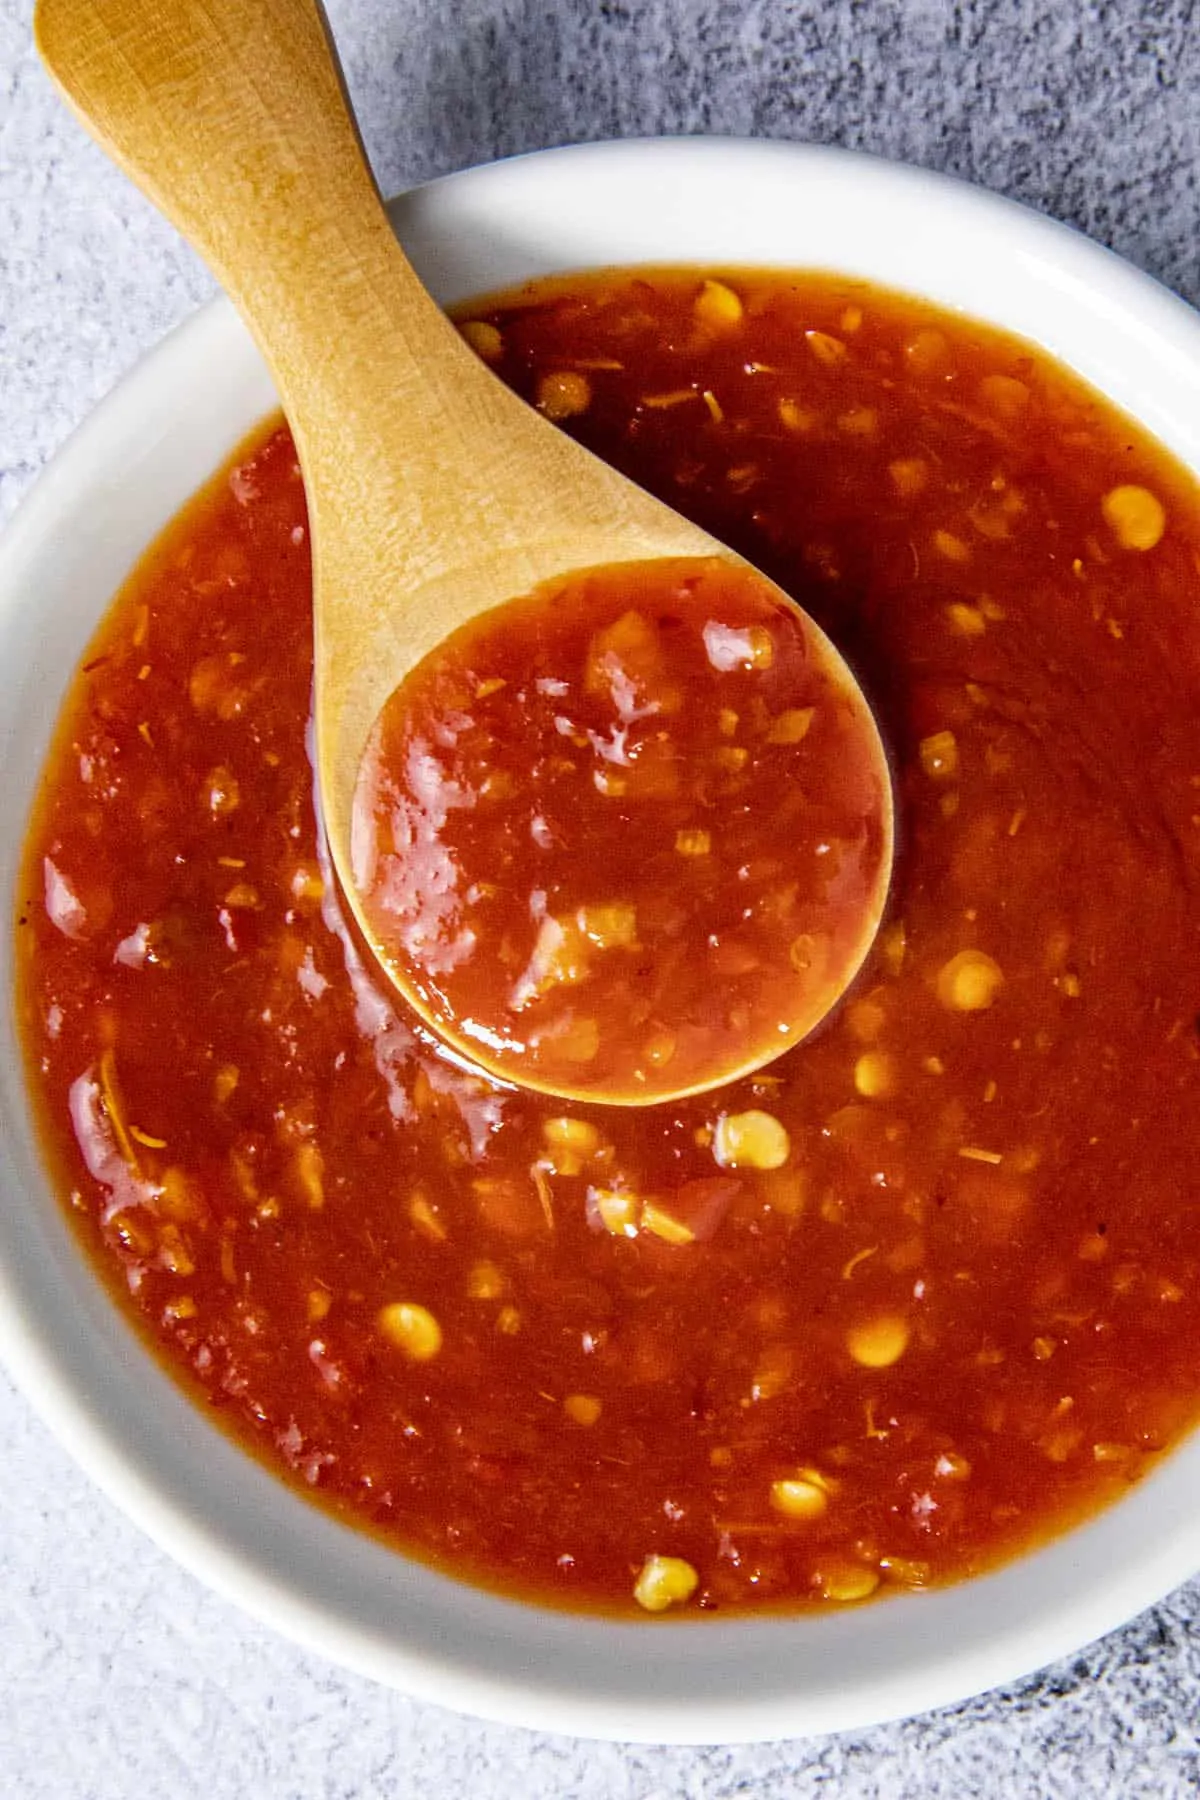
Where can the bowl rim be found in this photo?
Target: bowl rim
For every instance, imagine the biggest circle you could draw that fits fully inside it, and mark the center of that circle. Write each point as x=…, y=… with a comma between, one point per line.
x=80, y=1364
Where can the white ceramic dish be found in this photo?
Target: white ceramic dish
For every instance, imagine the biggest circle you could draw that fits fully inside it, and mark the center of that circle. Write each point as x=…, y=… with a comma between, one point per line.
x=104, y=498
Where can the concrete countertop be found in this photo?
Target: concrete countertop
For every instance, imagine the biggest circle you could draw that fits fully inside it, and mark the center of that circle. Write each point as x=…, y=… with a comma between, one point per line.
x=119, y=1675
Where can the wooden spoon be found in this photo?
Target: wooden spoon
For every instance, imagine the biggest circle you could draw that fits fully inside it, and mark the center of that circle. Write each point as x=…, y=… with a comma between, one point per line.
x=433, y=493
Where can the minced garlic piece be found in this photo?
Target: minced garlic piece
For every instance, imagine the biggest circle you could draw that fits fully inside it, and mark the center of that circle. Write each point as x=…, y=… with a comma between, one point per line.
x=732, y=757
x=874, y=1075
x=865, y=1019
x=694, y=842
x=939, y=755
x=412, y=1329
x=211, y=688
x=306, y=884
x=792, y=726
x=826, y=348
x=801, y=951
x=1135, y=516
x=425, y=1218
x=178, y=1197
x=487, y=1281
x=484, y=339
x=563, y=393
x=794, y=417
x=878, y=1343
x=717, y=305
x=664, y=1225
x=952, y=547
x=224, y=1082
x=309, y=1166
x=617, y=1210
x=498, y=784
x=573, y=1139
x=967, y=621
x=665, y=1581
x=609, y=927
x=847, y=1581
x=772, y=1373
x=969, y=982
x=1060, y=1445
x=906, y=1571
x=578, y=1042
x=1004, y=394
x=582, y=1409
x=751, y=1140
x=893, y=945
x=561, y=957
x=859, y=421
x=804, y=1495
x=926, y=350
x=909, y=475
x=222, y=794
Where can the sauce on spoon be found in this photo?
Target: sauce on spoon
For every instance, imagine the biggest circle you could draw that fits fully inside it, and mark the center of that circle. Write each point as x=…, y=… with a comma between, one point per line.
x=629, y=836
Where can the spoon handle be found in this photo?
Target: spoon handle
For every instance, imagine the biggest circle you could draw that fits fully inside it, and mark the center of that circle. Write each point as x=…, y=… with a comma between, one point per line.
x=231, y=115
x=433, y=491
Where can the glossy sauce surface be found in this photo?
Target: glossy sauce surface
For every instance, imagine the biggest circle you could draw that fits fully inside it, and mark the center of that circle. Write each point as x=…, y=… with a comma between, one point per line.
x=630, y=835
x=924, y=1294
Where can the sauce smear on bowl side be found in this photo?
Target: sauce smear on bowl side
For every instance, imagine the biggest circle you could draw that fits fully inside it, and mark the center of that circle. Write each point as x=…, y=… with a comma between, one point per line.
x=629, y=836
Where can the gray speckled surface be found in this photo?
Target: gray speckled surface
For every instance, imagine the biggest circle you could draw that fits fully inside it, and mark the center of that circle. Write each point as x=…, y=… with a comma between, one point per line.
x=119, y=1675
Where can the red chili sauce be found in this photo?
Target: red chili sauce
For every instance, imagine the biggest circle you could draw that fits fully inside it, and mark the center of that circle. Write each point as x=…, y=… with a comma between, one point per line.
x=628, y=835
x=920, y=1295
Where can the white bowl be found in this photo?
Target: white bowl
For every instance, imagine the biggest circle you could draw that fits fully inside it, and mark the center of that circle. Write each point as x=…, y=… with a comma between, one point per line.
x=103, y=499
